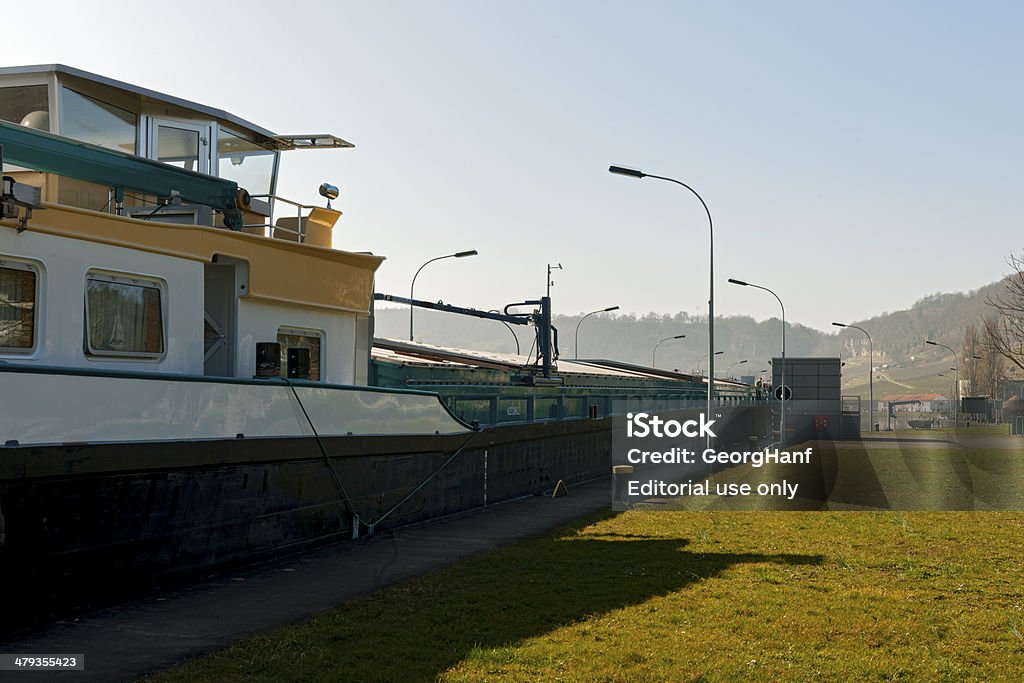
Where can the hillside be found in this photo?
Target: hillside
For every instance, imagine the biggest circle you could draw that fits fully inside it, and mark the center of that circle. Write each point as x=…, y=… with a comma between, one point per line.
x=899, y=340
x=898, y=336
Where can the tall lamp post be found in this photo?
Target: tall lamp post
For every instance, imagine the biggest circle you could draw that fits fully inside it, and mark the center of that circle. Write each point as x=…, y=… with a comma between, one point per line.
x=412, y=287
x=717, y=353
x=956, y=388
x=871, y=373
x=782, y=371
x=603, y=310
x=739, y=362
x=950, y=382
x=654, y=353
x=633, y=173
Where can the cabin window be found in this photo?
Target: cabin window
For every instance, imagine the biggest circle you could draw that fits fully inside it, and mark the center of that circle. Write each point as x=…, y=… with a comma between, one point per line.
x=18, y=292
x=87, y=119
x=124, y=316
x=27, y=105
x=245, y=162
x=291, y=338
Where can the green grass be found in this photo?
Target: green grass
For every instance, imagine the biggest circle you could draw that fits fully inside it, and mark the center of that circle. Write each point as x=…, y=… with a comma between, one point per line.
x=683, y=596
x=923, y=471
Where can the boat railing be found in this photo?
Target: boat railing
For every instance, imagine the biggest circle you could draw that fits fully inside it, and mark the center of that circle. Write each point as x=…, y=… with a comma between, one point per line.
x=283, y=228
x=500, y=407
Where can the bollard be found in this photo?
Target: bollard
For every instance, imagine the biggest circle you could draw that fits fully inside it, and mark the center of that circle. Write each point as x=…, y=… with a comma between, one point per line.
x=621, y=474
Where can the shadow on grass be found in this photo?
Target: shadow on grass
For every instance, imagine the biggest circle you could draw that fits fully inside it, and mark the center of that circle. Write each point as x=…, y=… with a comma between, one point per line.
x=909, y=440
x=478, y=607
x=864, y=476
x=912, y=476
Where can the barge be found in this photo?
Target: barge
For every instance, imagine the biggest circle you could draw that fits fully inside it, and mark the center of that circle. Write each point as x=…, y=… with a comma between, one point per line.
x=188, y=367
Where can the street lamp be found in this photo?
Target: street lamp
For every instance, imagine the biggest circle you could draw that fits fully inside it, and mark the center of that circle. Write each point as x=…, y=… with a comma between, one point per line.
x=871, y=373
x=739, y=362
x=412, y=287
x=956, y=391
x=717, y=353
x=782, y=371
x=603, y=310
x=655, y=352
x=950, y=379
x=633, y=173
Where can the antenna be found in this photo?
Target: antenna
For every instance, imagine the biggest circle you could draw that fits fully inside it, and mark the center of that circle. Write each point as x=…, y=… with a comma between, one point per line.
x=551, y=283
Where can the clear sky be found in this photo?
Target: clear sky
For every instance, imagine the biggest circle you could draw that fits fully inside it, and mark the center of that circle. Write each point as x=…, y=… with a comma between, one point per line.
x=856, y=156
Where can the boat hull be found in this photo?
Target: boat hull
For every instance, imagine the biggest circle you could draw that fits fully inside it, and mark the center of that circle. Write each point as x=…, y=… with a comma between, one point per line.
x=95, y=517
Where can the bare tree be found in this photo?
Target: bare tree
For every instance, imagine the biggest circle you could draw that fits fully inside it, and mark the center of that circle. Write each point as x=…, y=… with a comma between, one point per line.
x=991, y=370
x=972, y=347
x=1006, y=330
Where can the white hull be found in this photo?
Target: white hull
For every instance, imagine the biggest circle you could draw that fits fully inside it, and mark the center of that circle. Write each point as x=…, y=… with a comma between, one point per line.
x=43, y=407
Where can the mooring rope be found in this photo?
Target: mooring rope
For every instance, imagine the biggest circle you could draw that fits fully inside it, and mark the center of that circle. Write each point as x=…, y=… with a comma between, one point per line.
x=423, y=483
x=323, y=450
x=341, y=487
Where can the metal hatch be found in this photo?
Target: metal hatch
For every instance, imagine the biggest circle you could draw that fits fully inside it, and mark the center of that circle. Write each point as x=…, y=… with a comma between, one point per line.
x=315, y=141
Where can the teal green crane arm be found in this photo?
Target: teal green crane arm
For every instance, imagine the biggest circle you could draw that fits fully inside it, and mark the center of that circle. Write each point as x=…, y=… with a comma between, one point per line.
x=49, y=153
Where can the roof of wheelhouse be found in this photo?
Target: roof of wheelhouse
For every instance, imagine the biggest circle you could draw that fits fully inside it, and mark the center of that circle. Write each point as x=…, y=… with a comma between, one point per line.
x=279, y=141
x=134, y=89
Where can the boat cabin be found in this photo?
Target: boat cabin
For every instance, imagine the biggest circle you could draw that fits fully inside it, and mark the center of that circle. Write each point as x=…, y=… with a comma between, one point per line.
x=155, y=240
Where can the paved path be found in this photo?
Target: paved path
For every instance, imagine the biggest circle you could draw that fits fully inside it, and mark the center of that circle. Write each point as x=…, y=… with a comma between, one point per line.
x=128, y=641
x=962, y=438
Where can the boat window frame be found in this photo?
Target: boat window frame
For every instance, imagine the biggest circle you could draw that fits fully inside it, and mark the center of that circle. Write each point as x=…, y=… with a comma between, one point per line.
x=206, y=130
x=12, y=263
x=132, y=279
x=49, y=80
x=297, y=331
x=10, y=84
x=101, y=103
x=221, y=129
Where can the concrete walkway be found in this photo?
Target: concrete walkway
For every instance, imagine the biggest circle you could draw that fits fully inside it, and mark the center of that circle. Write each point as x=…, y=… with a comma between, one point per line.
x=128, y=641
x=961, y=439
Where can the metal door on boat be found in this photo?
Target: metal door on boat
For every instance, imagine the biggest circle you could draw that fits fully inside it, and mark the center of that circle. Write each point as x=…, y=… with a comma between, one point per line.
x=219, y=320
x=187, y=145
x=181, y=143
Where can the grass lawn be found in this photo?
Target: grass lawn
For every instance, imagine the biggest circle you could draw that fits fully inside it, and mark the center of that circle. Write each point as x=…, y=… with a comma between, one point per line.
x=924, y=470
x=684, y=596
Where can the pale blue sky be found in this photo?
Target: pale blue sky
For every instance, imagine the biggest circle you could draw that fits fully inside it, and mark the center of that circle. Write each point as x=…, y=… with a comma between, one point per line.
x=855, y=156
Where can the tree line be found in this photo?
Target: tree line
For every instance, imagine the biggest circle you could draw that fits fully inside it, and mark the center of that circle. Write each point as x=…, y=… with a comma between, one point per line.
x=1000, y=340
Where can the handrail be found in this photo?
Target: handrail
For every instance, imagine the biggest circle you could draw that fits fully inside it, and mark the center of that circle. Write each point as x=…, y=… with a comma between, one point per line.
x=298, y=214
x=285, y=200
